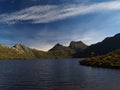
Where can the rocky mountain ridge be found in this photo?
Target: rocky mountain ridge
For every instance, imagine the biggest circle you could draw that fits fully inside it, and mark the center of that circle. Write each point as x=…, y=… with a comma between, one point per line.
x=74, y=50
x=20, y=51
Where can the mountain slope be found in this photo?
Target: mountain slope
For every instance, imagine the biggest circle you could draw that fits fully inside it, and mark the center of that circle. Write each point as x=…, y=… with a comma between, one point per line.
x=10, y=53
x=77, y=46
x=107, y=45
x=20, y=51
x=60, y=51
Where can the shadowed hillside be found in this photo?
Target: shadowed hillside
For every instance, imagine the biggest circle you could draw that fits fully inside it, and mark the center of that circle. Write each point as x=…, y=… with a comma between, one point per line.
x=107, y=45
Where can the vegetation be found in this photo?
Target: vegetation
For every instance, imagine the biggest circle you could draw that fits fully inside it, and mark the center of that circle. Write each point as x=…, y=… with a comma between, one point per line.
x=110, y=60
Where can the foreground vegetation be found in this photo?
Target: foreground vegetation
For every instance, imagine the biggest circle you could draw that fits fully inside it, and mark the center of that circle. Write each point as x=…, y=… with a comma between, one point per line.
x=110, y=60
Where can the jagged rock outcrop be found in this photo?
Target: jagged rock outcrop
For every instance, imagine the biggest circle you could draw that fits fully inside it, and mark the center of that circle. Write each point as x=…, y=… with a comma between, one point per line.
x=77, y=46
x=60, y=51
x=22, y=49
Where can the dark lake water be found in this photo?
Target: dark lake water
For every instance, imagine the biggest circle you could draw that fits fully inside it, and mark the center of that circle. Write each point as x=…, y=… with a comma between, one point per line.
x=64, y=74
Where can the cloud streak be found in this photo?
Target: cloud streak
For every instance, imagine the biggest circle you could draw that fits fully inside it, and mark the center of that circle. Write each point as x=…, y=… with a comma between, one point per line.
x=51, y=13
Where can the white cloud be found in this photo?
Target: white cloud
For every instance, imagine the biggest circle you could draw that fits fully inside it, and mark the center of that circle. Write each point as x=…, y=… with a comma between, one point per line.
x=50, y=13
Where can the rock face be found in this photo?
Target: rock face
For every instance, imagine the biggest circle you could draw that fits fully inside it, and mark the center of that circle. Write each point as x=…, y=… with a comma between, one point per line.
x=107, y=45
x=77, y=46
x=57, y=47
x=9, y=53
x=22, y=49
x=60, y=51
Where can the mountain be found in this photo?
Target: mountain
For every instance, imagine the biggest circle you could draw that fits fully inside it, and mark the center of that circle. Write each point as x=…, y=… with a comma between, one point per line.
x=20, y=51
x=10, y=52
x=110, y=60
x=107, y=45
x=77, y=46
x=60, y=51
x=74, y=50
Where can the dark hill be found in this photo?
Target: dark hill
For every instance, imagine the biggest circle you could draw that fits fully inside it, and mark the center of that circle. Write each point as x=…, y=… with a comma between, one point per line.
x=107, y=45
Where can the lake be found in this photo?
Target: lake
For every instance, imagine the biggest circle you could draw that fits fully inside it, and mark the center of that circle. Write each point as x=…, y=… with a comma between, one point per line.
x=63, y=74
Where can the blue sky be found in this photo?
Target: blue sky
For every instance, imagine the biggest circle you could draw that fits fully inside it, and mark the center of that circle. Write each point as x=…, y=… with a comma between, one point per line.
x=41, y=24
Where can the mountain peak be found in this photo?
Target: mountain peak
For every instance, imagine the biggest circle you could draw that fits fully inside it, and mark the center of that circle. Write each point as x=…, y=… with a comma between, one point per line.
x=77, y=44
x=57, y=47
x=58, y=44
x=19, y=46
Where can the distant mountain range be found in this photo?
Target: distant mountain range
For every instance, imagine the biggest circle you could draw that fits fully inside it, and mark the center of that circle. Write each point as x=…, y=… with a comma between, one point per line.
x=20, y=51
x=74, y=50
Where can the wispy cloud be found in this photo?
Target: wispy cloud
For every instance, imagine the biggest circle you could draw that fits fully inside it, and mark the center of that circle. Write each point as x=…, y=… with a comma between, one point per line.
x=50, y=13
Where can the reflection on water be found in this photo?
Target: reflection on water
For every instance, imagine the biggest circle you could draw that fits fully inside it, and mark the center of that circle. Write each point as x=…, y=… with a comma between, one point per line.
x=55, y=75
